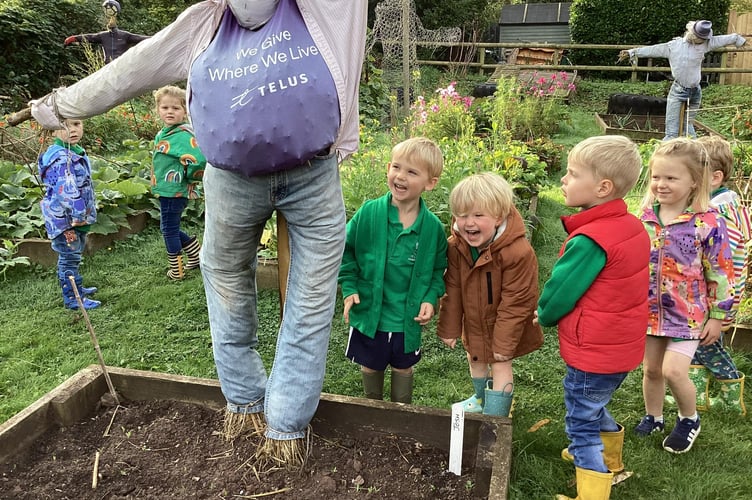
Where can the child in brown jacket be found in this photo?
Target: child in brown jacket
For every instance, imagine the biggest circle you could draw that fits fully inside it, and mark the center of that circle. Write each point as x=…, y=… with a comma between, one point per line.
x=491, y=289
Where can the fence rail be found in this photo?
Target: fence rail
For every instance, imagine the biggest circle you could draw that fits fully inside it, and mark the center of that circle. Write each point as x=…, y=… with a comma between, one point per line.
x=479, y=49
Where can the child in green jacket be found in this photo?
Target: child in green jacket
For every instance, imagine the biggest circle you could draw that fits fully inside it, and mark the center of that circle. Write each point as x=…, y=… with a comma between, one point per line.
x=177, y=165
x=392, y=271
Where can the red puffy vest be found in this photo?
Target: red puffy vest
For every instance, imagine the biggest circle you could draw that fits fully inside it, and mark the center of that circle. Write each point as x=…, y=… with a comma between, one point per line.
x=606, y=330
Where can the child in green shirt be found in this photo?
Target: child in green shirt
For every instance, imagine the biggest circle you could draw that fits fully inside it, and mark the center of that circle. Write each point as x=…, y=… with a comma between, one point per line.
x=392, y=271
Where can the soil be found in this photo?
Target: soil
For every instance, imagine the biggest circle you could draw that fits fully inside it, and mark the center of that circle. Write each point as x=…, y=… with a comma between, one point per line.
x=168, y=449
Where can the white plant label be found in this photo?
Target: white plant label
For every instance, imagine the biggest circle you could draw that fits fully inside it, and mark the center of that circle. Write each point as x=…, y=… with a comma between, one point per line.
x=455, y=440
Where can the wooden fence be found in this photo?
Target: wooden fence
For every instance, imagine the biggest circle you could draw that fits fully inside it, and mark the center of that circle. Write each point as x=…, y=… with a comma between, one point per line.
x=735, y=66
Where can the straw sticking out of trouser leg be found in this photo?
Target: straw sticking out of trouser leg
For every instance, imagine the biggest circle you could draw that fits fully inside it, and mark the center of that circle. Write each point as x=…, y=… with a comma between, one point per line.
x=238, y=424
x=288, y=453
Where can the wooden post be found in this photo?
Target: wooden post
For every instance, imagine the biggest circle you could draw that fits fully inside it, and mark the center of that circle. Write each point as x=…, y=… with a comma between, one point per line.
x=406, y=53
x=683, y=115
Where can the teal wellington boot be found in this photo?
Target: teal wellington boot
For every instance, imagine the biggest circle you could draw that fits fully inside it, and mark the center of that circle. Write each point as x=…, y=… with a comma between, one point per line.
x=498, y=403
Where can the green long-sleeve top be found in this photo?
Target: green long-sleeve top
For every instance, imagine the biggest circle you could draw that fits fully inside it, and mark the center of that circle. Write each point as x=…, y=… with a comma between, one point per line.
x=571, y=277
x=366, y=266
x=177, y=163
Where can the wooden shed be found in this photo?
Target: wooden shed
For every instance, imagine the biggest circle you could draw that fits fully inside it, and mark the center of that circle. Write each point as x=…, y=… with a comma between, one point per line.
x=535, y=22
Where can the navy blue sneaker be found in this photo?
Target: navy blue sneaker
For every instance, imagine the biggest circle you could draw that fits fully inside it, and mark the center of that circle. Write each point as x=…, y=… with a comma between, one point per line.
x=683, y=436
x=647, y=426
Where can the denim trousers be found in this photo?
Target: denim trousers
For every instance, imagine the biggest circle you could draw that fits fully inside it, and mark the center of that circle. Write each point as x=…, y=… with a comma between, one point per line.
x=237, y=208
x=69, y=254
x=585, y=397
x=170, y=213
x=676, y=96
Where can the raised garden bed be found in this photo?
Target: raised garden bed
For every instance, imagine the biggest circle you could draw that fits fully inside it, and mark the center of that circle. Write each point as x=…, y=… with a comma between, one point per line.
x=641, y=128
x=39, y=250
x=739, y=337
x=486, y=452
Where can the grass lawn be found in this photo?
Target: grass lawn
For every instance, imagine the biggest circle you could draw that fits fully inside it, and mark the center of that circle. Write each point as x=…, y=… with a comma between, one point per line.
x=149, y=323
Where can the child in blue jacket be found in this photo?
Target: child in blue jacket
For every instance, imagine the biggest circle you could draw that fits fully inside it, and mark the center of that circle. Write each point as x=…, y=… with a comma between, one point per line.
x=68, y=207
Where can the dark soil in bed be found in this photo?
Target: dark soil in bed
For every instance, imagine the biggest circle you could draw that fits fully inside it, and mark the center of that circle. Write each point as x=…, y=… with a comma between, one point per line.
x=167, y=449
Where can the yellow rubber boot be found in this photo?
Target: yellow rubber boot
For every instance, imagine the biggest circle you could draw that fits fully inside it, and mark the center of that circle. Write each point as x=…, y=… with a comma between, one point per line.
x=591, y=485
x=613, y=445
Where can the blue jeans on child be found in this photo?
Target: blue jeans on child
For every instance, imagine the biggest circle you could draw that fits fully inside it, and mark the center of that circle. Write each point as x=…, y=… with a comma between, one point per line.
x=237, y=208
x=170, y=213
x=69, y=254
x=676, y=96
x=585, y=397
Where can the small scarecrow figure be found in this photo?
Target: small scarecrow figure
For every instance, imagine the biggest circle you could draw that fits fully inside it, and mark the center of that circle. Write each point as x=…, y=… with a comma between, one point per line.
x=113, y=40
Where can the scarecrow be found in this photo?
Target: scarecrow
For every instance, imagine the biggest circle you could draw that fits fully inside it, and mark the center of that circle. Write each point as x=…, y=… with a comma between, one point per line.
x=113, y=40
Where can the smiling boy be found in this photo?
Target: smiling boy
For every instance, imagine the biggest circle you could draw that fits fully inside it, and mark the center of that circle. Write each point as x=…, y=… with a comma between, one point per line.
x=392, y=271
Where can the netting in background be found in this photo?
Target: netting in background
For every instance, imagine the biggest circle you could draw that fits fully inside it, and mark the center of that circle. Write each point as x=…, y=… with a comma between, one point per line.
x=399, y=38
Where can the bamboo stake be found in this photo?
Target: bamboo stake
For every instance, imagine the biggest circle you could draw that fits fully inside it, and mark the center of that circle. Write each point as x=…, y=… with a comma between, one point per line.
x=95, y=472
x=94, y=340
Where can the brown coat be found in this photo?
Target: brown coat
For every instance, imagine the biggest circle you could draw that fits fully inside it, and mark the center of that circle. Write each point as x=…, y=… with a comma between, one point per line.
x=490, y=302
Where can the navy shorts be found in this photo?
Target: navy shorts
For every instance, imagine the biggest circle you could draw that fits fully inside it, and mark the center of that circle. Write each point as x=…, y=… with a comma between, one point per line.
x=385, y=349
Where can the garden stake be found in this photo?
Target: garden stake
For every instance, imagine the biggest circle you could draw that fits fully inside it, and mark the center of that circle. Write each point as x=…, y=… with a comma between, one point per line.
x=94, y=339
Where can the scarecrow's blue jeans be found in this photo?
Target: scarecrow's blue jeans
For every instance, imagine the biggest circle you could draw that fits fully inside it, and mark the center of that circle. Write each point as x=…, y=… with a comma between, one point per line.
x=585, y=397
x=237, y=208
x=676, y=96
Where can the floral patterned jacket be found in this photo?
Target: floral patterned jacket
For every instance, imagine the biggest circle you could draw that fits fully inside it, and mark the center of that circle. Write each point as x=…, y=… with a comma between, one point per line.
x=691, y=273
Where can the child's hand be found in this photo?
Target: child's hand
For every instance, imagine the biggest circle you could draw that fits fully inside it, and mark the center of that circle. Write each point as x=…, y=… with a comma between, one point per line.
x=449, y=342
x=425, y=314
x=535, y=317
x=501, y=357
x=349, y=301
x=711, y=332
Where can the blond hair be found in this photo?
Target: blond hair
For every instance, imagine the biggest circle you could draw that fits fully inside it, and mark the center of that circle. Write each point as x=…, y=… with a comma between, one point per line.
x=720, y=155
x=171, y=91
x=424, y=150
x=612, y=157
x=487, y=191
x=692, y=154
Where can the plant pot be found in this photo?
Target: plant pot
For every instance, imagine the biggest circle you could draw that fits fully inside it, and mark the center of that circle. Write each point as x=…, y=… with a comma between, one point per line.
x=487, y=442
x=641, y=128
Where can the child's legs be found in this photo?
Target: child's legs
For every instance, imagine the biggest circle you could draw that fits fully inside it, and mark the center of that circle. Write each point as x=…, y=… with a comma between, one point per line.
x=502, y=375
x=170, y=212
x=478, y=369
x=69, y=253
x=715, y=358
x=676, y=362
x=585, y=397
x=653, y=383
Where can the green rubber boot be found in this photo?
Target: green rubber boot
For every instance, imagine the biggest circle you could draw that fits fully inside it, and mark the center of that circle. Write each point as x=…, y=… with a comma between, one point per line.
x=700, y=376
x=402, y=387
x=373, y=384
x=731, y=396
x=498, y=402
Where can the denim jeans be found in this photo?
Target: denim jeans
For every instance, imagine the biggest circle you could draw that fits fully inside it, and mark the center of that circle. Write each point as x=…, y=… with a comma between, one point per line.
x=69, y=254
x=237, y=208
x=585, y=397
x=170, y=212
x=676, y=96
